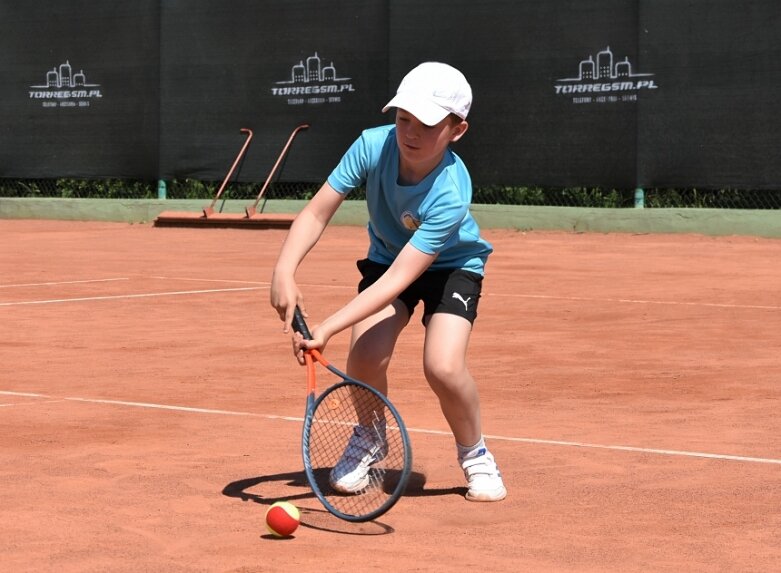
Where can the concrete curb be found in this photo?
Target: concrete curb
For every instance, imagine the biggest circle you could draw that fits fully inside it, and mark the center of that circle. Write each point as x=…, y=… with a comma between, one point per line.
x=761, y=223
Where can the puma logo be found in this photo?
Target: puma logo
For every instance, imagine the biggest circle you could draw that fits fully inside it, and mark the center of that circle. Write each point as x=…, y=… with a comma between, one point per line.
x=459, y=297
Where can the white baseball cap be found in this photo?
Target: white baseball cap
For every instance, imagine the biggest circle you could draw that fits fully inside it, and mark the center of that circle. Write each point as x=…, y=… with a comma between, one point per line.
x=431, y=91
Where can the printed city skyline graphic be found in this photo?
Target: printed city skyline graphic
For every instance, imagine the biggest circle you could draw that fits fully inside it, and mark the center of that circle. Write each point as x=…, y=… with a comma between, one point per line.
x=603, y=67
x=62, y=76
x=312, y=71
x=312, y=83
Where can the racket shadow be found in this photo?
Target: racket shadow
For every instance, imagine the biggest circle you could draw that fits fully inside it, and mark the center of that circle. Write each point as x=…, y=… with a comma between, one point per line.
x=238, y=489
x=312, y=518
x=316, y=517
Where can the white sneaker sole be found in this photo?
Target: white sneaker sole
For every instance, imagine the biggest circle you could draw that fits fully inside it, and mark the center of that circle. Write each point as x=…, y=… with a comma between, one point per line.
x=487, y=496
x=351, y=487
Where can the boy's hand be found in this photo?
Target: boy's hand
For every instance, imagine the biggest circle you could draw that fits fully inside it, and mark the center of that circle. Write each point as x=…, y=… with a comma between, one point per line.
x=284, y=297
x=318, y=341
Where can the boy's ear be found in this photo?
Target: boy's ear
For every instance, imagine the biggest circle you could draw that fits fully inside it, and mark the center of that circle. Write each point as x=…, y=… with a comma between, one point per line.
x=459, y=130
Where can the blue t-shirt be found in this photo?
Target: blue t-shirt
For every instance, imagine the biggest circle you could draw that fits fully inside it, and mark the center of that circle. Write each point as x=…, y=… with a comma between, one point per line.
x=432, y=215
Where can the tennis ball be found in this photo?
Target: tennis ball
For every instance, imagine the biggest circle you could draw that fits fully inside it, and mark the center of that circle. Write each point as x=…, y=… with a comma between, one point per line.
x=282, y=519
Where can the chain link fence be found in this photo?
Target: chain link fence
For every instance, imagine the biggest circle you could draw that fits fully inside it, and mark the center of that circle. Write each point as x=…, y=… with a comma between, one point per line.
x=487, y=195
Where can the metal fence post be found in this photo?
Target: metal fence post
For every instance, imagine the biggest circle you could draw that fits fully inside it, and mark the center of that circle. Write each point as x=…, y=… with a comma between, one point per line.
x=639, y=198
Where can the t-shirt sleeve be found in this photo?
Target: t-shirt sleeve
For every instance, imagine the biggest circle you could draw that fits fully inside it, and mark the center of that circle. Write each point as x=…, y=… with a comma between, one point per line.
x=352, y=170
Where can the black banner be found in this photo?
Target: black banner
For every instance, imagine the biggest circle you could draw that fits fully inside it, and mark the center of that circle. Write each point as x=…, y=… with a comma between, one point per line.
x=609, y=93
x=269, y=67
x=80, y=93
x=714, y=121
x=537, y=119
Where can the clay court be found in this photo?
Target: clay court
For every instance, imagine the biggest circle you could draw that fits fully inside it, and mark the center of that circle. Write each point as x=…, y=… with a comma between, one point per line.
x=150, y=406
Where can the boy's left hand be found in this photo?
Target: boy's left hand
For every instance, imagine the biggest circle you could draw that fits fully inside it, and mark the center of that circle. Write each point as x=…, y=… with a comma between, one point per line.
x=319, y=340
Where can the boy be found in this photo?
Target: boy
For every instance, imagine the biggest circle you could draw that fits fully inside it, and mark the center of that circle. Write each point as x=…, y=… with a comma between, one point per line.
x=424, y=246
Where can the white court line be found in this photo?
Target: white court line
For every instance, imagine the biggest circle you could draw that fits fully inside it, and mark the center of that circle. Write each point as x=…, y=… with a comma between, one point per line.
x=260, y=283
x=618, y=448
x=32, y=403
x=515, y=295
x=65, y=282
x=194, y=279
x=129, y=296
x=638, y=301
x=263, y=285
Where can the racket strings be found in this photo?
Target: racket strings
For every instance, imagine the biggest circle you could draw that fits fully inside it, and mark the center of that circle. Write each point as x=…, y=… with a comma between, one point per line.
x=355, y=438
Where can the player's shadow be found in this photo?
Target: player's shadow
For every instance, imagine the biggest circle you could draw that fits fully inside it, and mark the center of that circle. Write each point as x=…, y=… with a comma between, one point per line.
x=320, y=518
x=416, y=487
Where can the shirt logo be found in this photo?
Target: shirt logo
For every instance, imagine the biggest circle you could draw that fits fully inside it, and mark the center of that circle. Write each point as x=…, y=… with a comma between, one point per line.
x=409, y=221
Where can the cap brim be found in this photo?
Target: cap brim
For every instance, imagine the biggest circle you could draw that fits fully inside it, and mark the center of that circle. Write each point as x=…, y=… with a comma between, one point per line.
x=427, y=112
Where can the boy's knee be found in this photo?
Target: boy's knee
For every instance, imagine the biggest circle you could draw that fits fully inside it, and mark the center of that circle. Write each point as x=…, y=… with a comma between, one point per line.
x=443, y=372
x=368, y=362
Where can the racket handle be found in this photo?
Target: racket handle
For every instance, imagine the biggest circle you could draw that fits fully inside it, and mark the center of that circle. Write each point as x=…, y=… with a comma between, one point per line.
x=299, y=324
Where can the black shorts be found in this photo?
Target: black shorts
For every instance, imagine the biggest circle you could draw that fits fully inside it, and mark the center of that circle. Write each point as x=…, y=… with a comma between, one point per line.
x=452, y=291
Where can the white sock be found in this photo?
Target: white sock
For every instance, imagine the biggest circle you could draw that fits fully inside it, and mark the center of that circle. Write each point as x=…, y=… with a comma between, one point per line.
x=469, y=451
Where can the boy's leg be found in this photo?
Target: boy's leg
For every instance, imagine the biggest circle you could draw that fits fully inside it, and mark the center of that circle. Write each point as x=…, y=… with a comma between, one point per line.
x=372, y=343
x=371, y=347
x=444, y=360
x=444, y=364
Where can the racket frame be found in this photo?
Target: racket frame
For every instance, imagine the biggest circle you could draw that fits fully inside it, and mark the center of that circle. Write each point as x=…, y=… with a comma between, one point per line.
x=312, y=356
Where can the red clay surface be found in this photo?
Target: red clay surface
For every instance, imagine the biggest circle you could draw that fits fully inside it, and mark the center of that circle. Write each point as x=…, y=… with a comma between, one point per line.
x=150, y=406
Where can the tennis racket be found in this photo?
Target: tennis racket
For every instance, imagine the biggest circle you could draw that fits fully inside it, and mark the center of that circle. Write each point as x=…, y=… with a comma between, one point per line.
x=356, y=450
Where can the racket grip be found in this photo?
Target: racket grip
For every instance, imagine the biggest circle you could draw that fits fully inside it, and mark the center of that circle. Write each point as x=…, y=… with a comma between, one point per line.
x=299, y=324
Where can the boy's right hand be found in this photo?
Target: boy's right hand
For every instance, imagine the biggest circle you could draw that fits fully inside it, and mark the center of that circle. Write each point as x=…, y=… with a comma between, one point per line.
x=284, y=297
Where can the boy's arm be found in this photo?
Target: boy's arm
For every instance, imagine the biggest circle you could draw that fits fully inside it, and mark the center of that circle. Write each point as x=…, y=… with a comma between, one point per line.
x=304, y=233
x=408, y=266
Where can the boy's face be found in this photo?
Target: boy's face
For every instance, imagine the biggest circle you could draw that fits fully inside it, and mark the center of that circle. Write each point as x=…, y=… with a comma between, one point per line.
x=422, y=145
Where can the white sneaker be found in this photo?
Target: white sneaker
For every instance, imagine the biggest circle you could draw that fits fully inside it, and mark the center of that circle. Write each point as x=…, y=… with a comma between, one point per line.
x=483, y=477
x=366, y=447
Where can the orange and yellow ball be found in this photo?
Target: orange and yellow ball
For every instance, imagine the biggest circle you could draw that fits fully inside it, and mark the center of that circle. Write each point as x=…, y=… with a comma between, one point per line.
x=282, y=519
